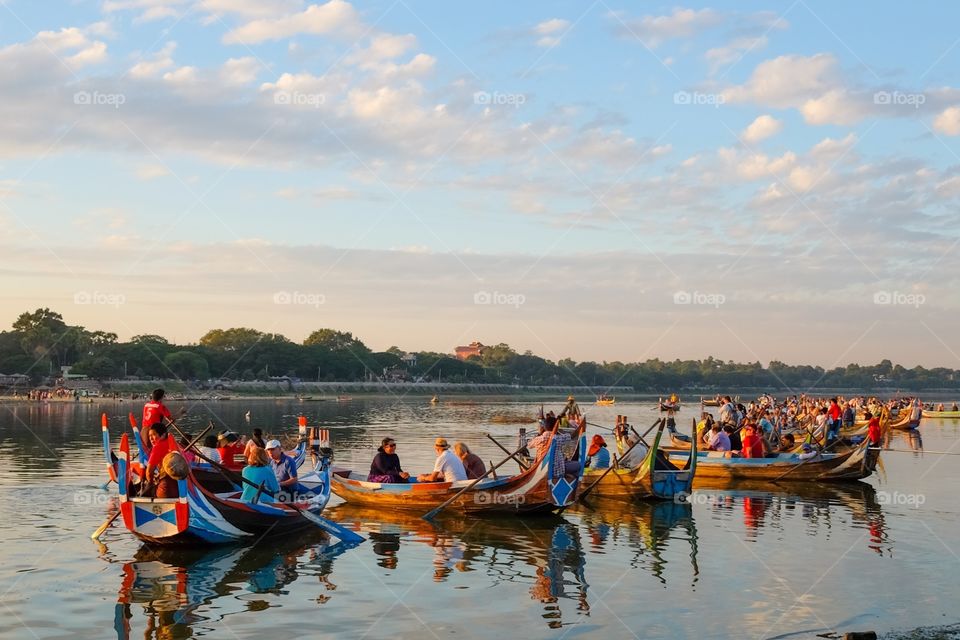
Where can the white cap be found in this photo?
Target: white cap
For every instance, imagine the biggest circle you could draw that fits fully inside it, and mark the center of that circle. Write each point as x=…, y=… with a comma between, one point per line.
x=273, y=444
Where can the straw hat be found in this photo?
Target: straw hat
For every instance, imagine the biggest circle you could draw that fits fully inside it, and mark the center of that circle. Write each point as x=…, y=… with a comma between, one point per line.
x=442, y=443
x=175, y=466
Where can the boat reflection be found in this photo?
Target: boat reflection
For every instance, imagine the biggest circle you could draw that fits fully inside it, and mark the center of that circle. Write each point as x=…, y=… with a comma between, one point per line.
x=646, y=527
x=822, y=506
x=175, y=585
x=545, y=553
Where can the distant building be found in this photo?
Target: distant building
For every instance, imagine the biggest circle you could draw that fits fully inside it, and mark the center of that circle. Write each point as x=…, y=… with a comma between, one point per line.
x=474, y=349
x=409, y=359
x=14, y=380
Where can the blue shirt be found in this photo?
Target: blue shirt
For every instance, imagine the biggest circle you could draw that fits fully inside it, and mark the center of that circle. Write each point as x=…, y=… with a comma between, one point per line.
x=600, y=460
x=256, y=475
x=285, y=468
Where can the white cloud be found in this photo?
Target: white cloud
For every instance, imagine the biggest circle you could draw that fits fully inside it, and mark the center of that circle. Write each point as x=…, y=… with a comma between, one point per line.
x=148, y=10
x=733, y=51
x=161, y=61
x=549, y=32
x=239, y=71
x=761, y=129
x=152, y=171
x=250, y=8
x=948, y=122
x=336, y=17
x=787, y=81
x=655, y=30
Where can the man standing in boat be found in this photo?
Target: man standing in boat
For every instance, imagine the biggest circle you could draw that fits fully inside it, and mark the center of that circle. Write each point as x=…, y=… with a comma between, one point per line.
x=154, y=411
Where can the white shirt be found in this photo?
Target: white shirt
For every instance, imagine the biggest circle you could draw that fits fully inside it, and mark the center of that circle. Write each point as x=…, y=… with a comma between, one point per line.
x=635, y=457
x=211, y=453
x=450, y=466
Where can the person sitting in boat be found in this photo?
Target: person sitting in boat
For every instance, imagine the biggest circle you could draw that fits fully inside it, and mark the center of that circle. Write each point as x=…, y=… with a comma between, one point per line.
x=940, y=407
x=598, y=456
x=752, y=445
x=159, y=448
x=386, y=464
x=255, y=441
x=231, y=451
x=284, y=469
x=787, y=443
x=471, y=461
x=537, y=446
x=632, y=458
x=172, y=470
x=209, y=448
x=807, y=452
x=767, y=430
x=447, y=468
x=259, y=472
x=719, y=440
x=733, y=437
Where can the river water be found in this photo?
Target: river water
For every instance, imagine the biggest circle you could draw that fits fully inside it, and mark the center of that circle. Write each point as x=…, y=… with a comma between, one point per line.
x=747, y=563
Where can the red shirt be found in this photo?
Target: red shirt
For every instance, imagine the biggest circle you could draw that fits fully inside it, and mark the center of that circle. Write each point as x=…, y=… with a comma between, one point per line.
x=834, y=411
x=752, y=446
x=231, y=456
x=157, y=453
x=154, y=412
x=873, y=431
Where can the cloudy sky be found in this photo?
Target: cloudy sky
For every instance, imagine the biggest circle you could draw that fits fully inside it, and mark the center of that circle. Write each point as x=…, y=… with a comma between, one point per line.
x=604, y=181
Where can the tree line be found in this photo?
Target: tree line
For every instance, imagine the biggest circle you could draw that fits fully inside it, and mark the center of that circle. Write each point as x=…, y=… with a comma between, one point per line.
x=41, y=342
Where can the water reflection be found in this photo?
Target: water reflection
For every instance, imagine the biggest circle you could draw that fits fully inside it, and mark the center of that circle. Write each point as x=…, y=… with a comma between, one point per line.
x=174, y=585
x=544, y=553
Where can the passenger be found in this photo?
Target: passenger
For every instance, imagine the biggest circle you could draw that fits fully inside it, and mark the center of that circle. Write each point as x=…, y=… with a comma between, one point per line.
x=598, y=456
x=632, y=458
x=188, y=454
x=787, y=443
x=954, y=407
x=537, y=445
x=256, y=441
x=284, y=469
x=719, y=440
x=231, y=451
x=752, y=446
x=849, y=416
x=386, y=464
x=173, y=469
x=447, y=468
x=807, y=452
x=159, y=448
x=874, y=432
x=733, y=435
x=209, y=448
x=472, y=463
x=258, y=471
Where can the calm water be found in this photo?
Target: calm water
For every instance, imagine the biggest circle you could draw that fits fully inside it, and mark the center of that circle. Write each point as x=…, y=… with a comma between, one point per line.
x=748, y=563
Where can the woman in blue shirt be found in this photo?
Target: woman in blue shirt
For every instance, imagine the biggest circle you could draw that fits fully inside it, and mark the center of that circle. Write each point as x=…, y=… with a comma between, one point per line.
x=598, y=457
x=259, y=470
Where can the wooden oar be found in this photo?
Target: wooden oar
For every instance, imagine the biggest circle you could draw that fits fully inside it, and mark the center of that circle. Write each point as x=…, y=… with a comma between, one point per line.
x=430, y=515
x=346, y=535
x=523, y=467
x=583, y=494
x=106, y=525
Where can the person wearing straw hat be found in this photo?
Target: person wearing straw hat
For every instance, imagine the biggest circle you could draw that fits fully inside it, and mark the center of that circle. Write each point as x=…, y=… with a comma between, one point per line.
x=447, y=468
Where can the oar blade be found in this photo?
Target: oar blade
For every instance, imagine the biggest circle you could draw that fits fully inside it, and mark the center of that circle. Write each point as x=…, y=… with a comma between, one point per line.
x=345, y=535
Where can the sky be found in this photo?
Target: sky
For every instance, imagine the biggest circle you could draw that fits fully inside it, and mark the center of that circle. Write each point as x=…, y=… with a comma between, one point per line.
x=602, y=181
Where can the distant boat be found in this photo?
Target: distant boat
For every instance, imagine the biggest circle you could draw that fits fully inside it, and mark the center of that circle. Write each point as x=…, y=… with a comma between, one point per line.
x=434, y=400
x=344, y=398
x=606, y=401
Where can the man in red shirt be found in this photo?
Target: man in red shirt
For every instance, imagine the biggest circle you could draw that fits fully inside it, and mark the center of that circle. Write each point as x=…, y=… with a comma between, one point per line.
x=752, y=445
x=874, y=433
x=155, y=411
x=835, y=412
x=159, y=447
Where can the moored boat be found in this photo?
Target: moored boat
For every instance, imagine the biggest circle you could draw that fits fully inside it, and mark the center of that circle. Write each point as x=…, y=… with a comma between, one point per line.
x=656, y=477
x=200, y=516
x=541, y=488
x=941, y=414
x=714, y=466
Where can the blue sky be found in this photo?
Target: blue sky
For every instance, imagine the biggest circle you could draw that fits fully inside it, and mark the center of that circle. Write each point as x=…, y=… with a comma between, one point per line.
x=793, y=168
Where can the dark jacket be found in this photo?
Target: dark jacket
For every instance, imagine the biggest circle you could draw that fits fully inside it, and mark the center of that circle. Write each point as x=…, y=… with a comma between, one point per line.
x=386, y=464
x=474, y=467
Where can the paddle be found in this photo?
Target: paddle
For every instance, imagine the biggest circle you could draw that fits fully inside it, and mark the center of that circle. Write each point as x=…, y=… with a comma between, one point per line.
x=99, y=531
x=346, y=536
x=523, y=467
x=583, y=494
x=430, y=515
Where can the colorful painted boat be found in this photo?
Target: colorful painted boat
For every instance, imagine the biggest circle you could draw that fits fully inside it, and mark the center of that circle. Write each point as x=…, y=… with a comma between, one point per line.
x=714, y=466
x=656, y=477
x=542, y=488
x=604, y=401
x=199, y=516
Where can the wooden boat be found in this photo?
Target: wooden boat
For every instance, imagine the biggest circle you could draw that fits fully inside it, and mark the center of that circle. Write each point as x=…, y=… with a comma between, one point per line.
x=656, y=477
x=344, y=399
x=906, y=422
x=713, y=466
x=540, y=489
x=710, y=403
x=941, y=414
x=203, y=472
x=434, y=400
x=199, y=516
x=605, y=401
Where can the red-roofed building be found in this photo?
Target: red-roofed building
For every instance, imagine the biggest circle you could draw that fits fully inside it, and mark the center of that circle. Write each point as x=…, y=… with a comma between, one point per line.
x=474, y=349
